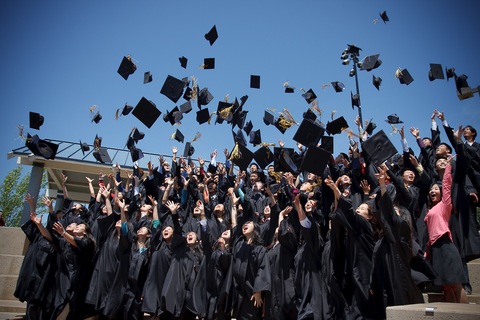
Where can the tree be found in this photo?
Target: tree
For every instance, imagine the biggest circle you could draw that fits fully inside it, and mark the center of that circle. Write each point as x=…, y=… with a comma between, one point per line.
x=12, y=193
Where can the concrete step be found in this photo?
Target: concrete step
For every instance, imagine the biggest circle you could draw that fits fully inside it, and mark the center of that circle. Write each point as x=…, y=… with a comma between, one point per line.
x=436, y=310
x=431, y=297
x=474, y=275
x=10, y=263
x=8, y=283
x=11, y=316
x=13, y=241
x=13, y=306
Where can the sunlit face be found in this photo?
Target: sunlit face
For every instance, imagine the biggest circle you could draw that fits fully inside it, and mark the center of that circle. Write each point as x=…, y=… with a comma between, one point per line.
x=311, y=177
x=167, y=233
x=441, y=150
x=71, y=227
x=345, y=179
x=310, y=205
x=218, y=210
x=80, y=230
x=248, y=228
x=267, y=211
x=270, y=169
x=435, y=194
x=143, y=232
x=364, y=211
x=427, y=142
x=258, y=186
x=253, y=168
x=146, y=208
x=408, y=176
x=253, y=177
x=441, y=164
x=118, y=224
x=226, y=235
x=166, y=166
x=467, y=133
x=191, y=238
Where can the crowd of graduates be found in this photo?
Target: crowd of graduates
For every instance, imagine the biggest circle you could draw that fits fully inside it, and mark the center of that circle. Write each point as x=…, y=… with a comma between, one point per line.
x=195, y=239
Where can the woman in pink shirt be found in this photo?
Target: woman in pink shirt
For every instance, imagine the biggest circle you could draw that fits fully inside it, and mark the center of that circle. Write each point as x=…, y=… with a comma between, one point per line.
x=441, y=251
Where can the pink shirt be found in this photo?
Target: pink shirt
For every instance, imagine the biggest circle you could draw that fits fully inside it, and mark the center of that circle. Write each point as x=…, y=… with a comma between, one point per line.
x=438, y=216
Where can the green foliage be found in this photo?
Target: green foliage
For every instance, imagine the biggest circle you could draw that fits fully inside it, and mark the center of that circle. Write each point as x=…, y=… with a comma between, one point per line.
x=12, y=193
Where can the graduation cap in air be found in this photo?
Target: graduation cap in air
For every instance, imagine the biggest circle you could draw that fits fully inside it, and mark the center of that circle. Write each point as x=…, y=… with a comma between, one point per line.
x=248, y=127
x=378, y=148
x=355, y=100
x=310, y=115
x=189, y=150
x=137, y=135
x=125, y=111
x=178, y=135
x=204, y=97
x=337, y=126
x=435, y=72
x=239, y=118
x=188, y=94
x=404, y=76
x=463, y=89
x=308, y=133
x=263, y=156
x=42, y=148
x=377, y=81
x=338, y=86
x=208, y=63
x=239, y=138
x=203, y=116
x=36, y=120
x=174, y=116
x=84, y=147
x=450, y=72
x=186, y=107
x=101, y=155
x=315, y=160
x=212, y=35
x=284, y=159
x=146, y=112
x=172, y=88
x=393, y=119
x=147, y=77
x=255, y=81
x=289, y=88
x=255, y=137
x=384, y=16
x=268, y=118
x=136, y=154
x=97, y=117
x=327, y=144
x=183, y=62
x=127, y=67
x=309, y=96
x=370, y=62
x=370, y=127
x=224, y=112
x=241, y=156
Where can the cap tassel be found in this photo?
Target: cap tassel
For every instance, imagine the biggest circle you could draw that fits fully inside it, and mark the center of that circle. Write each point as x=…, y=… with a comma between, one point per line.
x=210, y=118
x=92, y=108
x=394, y=130
x=116, y=114
x=198, y=135
x=277, y=176
x=236, y=154
x=225, y=112
x=314, y=106
x=398, y=73
x=288, y=116
x=20, y=131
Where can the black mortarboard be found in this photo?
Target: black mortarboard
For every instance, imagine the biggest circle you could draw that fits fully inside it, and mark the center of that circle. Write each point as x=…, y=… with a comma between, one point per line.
x=327, y=143
x=147, y=77
x=97, y=117
x=263, y=156
x=127, y=67
x=268, y=118
x=337, y=125
x=450, y=72
x=36, y=120
x=138, y=135
x=241, y=157
x=183, y=62
x=136, y=154
x=239, y=137
x=378, y=148
x=255, y=137
x=212, y=35
x=177, y=135
x=355, y=99
x=377, y=81
x=84, y=147
x=172, y=88
x=384, y=16
x=309, y=114
x=435, y=72
x=189, y=150
x=239, y=118
x=309, y=96
x=174, y=116
x=463, y=89
x=371, y=62
x=186, y=107
x=255, y=81
x=248, y=127
x=203, y=116
x=315, y=160
x=224, y=112
x=308, y=133
x=130, y=142
x=188, y=94
x=405, y=77
x=126, y=109
x=102, y=156
x=284, y=160
x=278, y=124
x=40, y=147
x=393, y=119
x=204, y=97
x=370, y=127
x=289, y=89
x=209, y=63
x=146, y=112
x=338, y=86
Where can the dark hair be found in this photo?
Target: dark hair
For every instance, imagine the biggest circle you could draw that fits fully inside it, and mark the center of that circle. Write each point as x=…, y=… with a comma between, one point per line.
x=256, y=236
x=447, y=146
x=429, y=201
x=474, y=132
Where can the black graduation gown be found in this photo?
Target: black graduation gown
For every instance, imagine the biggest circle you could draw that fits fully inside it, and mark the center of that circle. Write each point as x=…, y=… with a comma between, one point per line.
x=251, y=273
x=391, y=279
x=359, y=244
x=219, y=285
x=36, y=276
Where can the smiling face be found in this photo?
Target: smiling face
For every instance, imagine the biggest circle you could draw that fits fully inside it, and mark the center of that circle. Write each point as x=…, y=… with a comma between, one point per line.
x=364, y=211
x=80, y=230
x=408, y=176
x=435, y=194
x=167, y=233
x=248, y=228
x=191, y=238
x=143, y=233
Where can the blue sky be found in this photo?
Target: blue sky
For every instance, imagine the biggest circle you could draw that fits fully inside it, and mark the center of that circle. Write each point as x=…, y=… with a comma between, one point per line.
x=61, y=57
